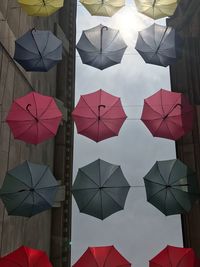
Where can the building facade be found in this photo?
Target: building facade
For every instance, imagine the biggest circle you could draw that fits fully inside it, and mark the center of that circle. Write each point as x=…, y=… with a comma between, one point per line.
x=185, y=78
x=50, y=230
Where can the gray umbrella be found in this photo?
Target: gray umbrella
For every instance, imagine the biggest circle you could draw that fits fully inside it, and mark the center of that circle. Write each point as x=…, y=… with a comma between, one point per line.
x=100, y=189
x=28, y=189
x=38, y=50
x=101, y=47
x=159, y=45
x=171, y=187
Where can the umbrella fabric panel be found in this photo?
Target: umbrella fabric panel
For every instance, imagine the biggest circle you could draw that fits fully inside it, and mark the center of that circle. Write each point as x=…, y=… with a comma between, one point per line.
x=25, y=257
x=105, y=8
x=41, y=7
x=38, y=50
x=156, y=9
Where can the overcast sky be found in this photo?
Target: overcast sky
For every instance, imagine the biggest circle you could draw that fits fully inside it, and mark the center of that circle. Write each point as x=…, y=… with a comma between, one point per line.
x=140, y=231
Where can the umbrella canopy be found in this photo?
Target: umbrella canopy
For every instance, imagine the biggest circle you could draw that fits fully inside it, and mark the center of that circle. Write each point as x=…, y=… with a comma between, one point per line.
x=25, y=257
x=101, y=47
x=34, y=118
x=28, y=189
x=159, y=45
x=102, y=257
x=167, y=114
x=171, y=187
x=105, y=8
x=41, y=8
x=38, y=50
x=100, y=189
x=175, y=257
x=156, y=9
x=99, y=115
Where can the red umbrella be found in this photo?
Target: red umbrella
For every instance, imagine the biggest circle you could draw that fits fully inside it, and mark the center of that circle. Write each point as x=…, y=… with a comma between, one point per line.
x=102, y=257
x=175, y=257
x=34, y=118
x=99, y=115
x=167, y=114
x=25, y=257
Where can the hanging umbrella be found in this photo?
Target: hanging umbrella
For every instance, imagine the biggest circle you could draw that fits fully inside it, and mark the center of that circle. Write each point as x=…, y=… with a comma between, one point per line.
x=159, y=45
x=167, y=114
x=99, y=115
x=101, y=47
x=38, y=50
x=100, y=189
x=105, y=8
x=28, y=189
x=171, y=187
x=156, y=9
x=41, y=8
x=106, y=256
x=25, y=257
x=34, y=118
x=175, y=257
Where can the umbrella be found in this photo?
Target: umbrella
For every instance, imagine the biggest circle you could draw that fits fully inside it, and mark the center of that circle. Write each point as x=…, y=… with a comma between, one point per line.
x=167, y=114
x=28, y=189
x=25, y=257
x=175, y=257
x=156, y=9
x=100, y=189
x=101, y=47
x=171, y=187
x=38, y=50
x=99, y=115
x=34, y=118
x=105, y=8
x=42, y=8
x=159, y=45
x=106, y=256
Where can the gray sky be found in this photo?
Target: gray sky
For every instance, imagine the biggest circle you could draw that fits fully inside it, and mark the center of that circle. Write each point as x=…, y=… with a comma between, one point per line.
x=140, y=231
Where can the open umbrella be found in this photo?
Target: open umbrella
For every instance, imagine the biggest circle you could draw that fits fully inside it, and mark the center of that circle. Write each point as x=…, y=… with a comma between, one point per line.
x=99, y=115
x=100, y=189
x=171, y=187
x=106, y=256
x=42, y=8
x=38, y=50
x=175, y=257
x=34, y=118
x=28, y=189
x=159, y=45
x=101, y=47
x=167, y=114
x=156, y=9
x=25, y=257
x=105, y=8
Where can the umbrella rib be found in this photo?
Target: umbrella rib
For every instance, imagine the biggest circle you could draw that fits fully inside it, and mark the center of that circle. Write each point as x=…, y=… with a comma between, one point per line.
x=183, y=258
x=151, y=107
x=94, y=258
x=160, y=173
x=17, y=180
x=155, y=194
x=44, y=172
x=20, y=203
x=88, y=177
x=83, y=208
x=146, y=44
x=154, y=182
x=177, y=200
x=30, y=174
x=30, y=51
x=169, y=258
x=111, y=175
x=171, y=169
x=43, y=198
x=113, y=199
x=190, y=175
x=88, y=106
x=108, y=256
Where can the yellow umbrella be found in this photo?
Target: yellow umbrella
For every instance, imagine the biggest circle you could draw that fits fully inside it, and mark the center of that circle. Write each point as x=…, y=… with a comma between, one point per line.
x=41, y=8
x=105, y=8
x=156, y=9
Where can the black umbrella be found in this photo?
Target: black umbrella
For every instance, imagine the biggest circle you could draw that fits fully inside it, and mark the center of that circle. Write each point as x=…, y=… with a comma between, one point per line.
x=171, y=187
x=100, y=189
x=101, y=47
x=159, y=45
x=38, y=50
x=28, y=189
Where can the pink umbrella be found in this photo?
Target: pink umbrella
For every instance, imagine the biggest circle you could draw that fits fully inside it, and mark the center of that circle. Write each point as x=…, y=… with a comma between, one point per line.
x=167, y=114
x=99, y=115
x=34, y=118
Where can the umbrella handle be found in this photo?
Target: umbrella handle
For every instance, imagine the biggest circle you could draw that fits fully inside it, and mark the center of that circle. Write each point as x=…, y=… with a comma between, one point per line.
x=99, y=107
x=165, y=116
x=101, y=44
x=27, y=108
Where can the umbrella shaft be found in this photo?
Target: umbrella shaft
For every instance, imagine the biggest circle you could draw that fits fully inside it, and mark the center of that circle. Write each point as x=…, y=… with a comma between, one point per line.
x=154, y=2
x=101, y=44
x=44, y=2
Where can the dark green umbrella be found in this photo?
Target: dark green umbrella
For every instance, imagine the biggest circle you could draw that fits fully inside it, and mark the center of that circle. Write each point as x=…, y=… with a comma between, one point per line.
x=28, y=189
x=100, y=189
x=171, y=187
